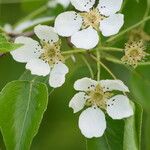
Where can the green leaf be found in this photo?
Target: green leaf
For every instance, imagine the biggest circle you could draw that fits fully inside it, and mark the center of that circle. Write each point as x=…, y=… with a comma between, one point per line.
x=120, y=134
x=2, y=38
x=6, y=46
x=27, y=76
x=132, y=129
x=140, y=85
x=22, y=105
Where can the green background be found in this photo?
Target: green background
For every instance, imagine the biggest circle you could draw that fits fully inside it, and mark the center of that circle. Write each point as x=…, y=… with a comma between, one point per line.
x=59, y=129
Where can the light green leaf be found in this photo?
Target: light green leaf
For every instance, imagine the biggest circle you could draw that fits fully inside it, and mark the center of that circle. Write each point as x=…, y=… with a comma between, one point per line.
x=6, y=46
x=132, y=129
x=140, y=85
x=22, y=105
x=2, y=38
x=120, y=134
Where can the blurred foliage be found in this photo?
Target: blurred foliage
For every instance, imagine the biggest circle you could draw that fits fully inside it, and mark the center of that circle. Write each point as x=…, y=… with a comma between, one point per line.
x=59, y=129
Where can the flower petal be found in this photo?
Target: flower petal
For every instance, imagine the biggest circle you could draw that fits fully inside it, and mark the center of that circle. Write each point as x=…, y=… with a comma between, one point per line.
x=83, y=5
x=46, y=33
x=86, y=39
x=8, y=28
x=57, y=75
x=78, y=101
x=38, y=67
x=68, y=23
x=92, y=122
x=85, y=84
x=112, y=24
x=110, y=85
x=22, y=26
x=64, y=3
x=109, y=7
x=118, y=107
x=30, y=50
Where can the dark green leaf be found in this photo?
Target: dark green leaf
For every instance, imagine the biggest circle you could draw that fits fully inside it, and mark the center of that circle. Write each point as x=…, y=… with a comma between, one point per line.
x=22, y=105
x=27, y=76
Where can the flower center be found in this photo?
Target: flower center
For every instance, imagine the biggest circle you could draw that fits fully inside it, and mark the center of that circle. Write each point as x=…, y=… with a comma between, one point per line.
x=51, y=53
x=98, y=97
x=92, y=18
x=134, y=53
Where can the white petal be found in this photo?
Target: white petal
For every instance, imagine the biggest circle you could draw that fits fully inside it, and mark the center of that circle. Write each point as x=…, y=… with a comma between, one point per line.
x=57, y=75
x=30, y=49
x=110, y=85
x=85, y=84
x=78, y=101
x=83, y=5
x=92, y=122
x=53, y=3
x=32, y=23
x=22, y=26
x=118, y=107
x=8, y=28
x=65, y=3
x=109, y=7
x=112, y=24
x=38, y=67
x=46, y=33
x=86, y=39
x=68, y=23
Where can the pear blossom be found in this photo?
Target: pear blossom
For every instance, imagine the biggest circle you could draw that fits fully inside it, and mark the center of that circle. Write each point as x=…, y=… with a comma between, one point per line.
x=99, y=98
x=54, y=3
x=83, y=26
x=45, y=58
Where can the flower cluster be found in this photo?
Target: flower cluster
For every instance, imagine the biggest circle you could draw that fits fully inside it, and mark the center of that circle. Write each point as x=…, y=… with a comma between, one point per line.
x=83, y=29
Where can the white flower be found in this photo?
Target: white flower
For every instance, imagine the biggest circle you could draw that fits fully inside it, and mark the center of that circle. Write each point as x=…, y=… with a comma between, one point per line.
x=83, y=27
x=98, y=97
x=54, y=3
x=42, y=59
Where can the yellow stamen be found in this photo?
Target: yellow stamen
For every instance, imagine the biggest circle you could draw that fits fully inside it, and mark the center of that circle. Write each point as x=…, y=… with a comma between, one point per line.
x=51, y=53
